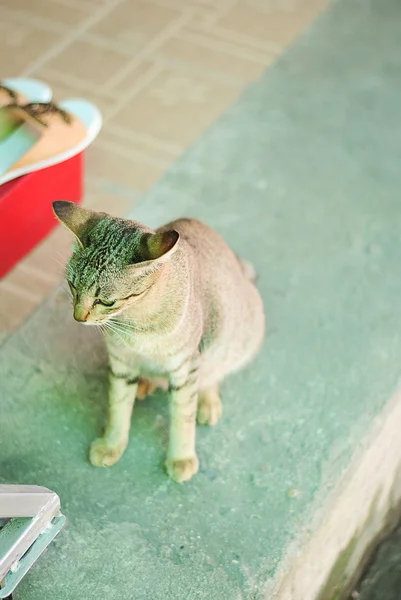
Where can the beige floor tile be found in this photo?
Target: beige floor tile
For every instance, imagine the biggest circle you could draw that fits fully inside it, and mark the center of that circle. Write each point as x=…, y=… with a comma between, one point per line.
x=217, y=5
x=95, y=4
x=50, y=10
x=50, y=256
x=206, y=15
x=116, y=166
x=199, y=50
x=21, y=45
x=64, y=88
x=175, y=107
x=135, y=23
x=91, y=63
x=34, y=278
x=220, y=4
x=121, y=85
x=278, y=21
x=36, y=282
x=116, y=202
x=14, y=309
x=160, y=150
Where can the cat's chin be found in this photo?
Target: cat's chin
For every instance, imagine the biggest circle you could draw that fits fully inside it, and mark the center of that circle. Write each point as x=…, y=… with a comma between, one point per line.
x=96, y=323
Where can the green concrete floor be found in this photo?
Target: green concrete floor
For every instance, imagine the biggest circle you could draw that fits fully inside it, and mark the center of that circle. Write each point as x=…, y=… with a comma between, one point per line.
x=302, y=177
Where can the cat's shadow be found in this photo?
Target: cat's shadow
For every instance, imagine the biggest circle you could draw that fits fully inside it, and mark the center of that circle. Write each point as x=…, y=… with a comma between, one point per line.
x=149, y=420
x=80, y=388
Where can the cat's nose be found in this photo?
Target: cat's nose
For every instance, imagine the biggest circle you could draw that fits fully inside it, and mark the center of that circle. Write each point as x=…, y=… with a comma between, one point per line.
x=81, y=314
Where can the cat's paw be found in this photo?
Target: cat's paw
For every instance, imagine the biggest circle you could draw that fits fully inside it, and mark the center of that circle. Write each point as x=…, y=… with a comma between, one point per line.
x=210, y=410
x=145, y=388
x=104, y=454
x=182, y=469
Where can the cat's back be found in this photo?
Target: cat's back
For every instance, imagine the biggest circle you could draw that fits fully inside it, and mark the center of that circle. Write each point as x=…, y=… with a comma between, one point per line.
x=233, y=315
x=202, y=238
x=214, y=264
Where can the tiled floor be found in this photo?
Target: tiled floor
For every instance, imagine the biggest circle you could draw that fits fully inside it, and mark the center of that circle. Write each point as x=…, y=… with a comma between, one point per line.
x=161, y=71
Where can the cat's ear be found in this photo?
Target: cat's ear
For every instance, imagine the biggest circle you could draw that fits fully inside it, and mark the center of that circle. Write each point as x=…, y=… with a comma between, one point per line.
x=77, y=219
x=159, y=246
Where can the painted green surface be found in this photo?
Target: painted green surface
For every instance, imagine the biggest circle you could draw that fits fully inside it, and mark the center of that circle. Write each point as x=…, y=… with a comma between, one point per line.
x=302, y=177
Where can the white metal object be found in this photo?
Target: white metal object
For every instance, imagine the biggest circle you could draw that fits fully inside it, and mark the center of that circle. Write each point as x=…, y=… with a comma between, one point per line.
x=30, y=518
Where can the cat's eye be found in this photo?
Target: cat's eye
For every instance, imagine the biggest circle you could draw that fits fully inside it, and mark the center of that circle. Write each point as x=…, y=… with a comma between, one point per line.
x=103, y=302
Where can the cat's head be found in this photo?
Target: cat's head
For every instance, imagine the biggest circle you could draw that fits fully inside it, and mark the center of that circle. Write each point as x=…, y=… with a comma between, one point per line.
x=114, y=263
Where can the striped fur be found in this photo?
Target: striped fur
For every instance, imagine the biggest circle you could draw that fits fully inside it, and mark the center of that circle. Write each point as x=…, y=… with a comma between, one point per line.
x=176, y=307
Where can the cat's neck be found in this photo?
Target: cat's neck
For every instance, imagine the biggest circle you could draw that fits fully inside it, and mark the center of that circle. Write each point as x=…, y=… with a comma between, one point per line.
x=166, y=302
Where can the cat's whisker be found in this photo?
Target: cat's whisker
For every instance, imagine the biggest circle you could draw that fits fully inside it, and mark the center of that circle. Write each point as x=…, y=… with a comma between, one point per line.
x=100, y=326
x=65, y=258
x=62, y=264
x=67, y=292
x=121, y=328
x=120, y=334
x=58, y=261
x=125, y=323
x=113, y=323
x=103, y=328
x=126, y=329
x=115, y=330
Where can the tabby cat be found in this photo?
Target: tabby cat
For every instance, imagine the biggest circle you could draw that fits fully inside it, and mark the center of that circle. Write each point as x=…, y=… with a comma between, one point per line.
x=177, y=307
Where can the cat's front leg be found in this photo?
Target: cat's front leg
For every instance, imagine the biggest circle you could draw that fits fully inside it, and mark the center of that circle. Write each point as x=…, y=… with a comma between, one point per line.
x=182, y=462
x=123, y=385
